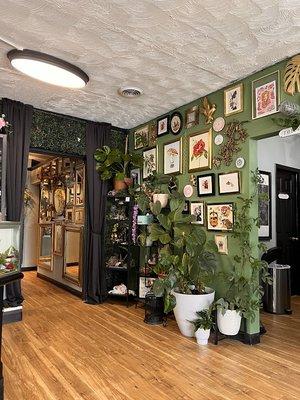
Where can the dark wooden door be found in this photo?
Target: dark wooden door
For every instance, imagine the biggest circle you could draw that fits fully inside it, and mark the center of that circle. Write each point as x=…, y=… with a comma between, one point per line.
x=287, y=221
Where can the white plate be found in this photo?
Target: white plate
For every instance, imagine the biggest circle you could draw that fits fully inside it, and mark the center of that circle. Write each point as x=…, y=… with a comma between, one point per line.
x=219, y=139
x=218, y=124
x=240, y=162
x=188, y=191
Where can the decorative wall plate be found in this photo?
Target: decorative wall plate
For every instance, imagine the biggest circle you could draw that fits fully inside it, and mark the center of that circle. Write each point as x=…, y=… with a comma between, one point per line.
x=219, y=139
x=188, y=191
x=218, y=124
x=240, y=162
x=176, y=123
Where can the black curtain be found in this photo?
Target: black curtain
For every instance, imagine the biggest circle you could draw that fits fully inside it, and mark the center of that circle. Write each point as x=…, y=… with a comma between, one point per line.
x=94, y=288
x=19, y=115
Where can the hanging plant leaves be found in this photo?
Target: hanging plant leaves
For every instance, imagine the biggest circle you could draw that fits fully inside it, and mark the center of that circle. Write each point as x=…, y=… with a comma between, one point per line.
x=292, y=76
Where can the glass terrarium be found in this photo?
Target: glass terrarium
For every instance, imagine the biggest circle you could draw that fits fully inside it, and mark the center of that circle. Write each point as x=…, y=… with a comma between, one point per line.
x=9, y=248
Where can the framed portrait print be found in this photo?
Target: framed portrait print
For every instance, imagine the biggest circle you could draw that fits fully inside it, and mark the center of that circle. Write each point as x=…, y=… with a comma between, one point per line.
x=206, y=185
x=141, y=137
x=192, y=117
x=176, y=123
x=162, y=125
x=200, y=151
x=265, y=95
x=197, y=209
x=150, y=162
x=222, y=243
x=220, y=217
x=264, y=206
x=229, y=183
x=233, y=100
x=173, y=157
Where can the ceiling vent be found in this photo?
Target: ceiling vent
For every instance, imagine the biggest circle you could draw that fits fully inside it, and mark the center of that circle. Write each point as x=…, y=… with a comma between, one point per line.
x=130, y=92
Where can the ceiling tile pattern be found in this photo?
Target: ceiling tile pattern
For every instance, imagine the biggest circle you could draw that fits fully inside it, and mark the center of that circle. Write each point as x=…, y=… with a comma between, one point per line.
x=175, y=50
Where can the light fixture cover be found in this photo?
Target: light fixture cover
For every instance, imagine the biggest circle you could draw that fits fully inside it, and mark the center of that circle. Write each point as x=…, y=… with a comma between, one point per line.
x=47, y=68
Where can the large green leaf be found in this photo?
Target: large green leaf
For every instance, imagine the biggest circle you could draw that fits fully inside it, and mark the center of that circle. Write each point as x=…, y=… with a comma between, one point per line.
x=155, y=207
x=158, y=287
x=165, y=238
x=164, y=221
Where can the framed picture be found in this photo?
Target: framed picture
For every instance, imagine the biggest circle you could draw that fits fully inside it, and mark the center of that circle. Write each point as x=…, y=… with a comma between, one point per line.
x=264, y=206
x=186, y=209
x=150, y=162
x=141, y=137
x=152, y=136
x=192, y=117
x=197, y=209
x=229, y=183
x=206, y=185
x=58, y=239
x=265, y=95
x=233, y=100
x=200, y=151
x=176, y=123
x=135, y=175
x=222, y=243
x=173, y=157
x=162, y=125
x=220, y=217
x=145, y=285
x=79, y=215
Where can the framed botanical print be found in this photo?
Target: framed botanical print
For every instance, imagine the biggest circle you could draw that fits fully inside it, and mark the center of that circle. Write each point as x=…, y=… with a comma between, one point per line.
x=192, y=117
x=162, y=125
x=233, y=100
x=197, y=209
x=220, y=217
x=222, y=243
x=152, y=134
x=265, y=95
x=176, y=123
x=150, y=162
x=206, y=185
x=141, y=137
x=229, y=183
x=200, y=151
x=264, y=206
x=173, y=157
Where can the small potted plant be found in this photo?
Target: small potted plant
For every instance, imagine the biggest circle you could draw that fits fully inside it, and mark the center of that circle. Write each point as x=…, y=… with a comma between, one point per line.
x=202, y=325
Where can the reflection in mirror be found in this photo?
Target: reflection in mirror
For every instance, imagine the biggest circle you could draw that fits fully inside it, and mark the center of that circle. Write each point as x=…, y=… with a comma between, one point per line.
x=73, y=254
x=45, y=246
x=80, y=186
x=59, y=200
x=45, y=202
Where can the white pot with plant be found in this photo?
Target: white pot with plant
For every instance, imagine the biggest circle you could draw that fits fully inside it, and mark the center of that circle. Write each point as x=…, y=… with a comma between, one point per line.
x=162, y=198
x=187, y=262
x=202, y=326
x=229, y=316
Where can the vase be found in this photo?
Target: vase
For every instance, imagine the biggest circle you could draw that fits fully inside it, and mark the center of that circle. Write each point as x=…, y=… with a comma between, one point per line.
x=229, y=323
x=162, y=198
x=202, y=336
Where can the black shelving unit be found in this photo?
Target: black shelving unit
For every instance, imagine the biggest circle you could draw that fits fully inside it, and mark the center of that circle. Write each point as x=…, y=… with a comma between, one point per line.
x=118, y=242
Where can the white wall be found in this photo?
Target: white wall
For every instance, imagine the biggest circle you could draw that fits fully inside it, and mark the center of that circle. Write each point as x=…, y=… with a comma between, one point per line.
x=272, y=151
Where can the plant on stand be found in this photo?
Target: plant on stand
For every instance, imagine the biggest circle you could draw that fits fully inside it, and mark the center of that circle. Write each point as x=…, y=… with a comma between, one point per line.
x=187, y=262
x=202, y=325
x=243, y=297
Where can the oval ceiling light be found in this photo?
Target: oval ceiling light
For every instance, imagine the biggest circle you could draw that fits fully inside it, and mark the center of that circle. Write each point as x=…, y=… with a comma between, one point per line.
x=47, y=68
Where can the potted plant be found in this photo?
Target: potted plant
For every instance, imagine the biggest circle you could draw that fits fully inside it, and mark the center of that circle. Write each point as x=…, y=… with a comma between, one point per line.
x=187, y=260
x=202, y=325
x=113, y=163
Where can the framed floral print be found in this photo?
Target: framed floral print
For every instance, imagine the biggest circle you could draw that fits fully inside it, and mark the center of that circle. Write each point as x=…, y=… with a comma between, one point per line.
x=265, y=95
x=173, y=157
x=192, y=117
x=176, y=123
x=229, y=183
x=222, y=243
x=197, y=209
x=233, y=100
x=206, y=185
x=220, y=217
x=150, y=162
x=200, y=151
x=162, y=125
x=141, y=137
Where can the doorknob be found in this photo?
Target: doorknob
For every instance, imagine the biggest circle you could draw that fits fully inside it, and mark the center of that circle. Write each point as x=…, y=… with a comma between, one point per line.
x=294, y=239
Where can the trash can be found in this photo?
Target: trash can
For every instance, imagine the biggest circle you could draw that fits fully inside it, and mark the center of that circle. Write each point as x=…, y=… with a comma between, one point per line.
x=277, y=297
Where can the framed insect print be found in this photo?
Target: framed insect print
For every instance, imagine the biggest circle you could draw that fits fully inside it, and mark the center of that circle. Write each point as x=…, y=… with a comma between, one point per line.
x=141, y=137
x=233, y=100
x=222, y=243
x=162, y=125
x=229, y=183
x=206, y=185
x=200, y=151
x=264, y=206
x=173, y=157
x=265, y=95
x=176, y=123
x=192, y=117
x=197, y=209
x=150, y=162
x=220, y=217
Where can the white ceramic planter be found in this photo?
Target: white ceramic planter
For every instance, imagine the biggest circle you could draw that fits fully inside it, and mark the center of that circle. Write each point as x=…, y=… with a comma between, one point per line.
x=162, y=198
x=229, y=323
x=202, y=336
x=186, y=307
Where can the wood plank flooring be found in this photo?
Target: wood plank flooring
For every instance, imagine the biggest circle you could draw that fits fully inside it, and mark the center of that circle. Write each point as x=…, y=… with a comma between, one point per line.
x=65, y=349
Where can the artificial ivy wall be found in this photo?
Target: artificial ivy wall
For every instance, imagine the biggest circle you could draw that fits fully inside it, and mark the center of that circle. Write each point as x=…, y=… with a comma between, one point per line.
x=256, y=128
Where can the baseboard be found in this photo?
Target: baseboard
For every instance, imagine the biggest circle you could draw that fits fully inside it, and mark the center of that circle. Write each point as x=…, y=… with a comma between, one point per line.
x=12, y=314
x=60, y=285
x=31, y=268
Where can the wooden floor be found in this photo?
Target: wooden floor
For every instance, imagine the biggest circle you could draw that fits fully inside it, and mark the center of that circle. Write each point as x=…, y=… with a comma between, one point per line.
x=64, y=349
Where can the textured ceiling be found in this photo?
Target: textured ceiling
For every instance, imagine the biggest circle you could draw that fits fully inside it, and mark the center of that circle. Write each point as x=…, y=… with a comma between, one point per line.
x=175, y=50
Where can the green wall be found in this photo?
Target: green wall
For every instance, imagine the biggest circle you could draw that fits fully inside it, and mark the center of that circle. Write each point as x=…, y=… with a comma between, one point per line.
x=256, y=129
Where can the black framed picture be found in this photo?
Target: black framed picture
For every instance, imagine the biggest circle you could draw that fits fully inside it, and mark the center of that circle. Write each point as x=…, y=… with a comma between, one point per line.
x=206, y=185
x=229, y=182
x=220, y=216
x=162, y=125
x=264, y=206
x=197, y=209
x=176, y=123
x=186, y=209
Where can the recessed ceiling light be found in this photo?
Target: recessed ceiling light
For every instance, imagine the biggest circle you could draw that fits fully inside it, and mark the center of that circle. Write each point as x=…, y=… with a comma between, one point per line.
x=47, y=68
x=130, y=92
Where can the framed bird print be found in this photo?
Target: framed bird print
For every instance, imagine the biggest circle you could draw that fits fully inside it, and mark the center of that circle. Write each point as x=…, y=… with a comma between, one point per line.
x=233, y=100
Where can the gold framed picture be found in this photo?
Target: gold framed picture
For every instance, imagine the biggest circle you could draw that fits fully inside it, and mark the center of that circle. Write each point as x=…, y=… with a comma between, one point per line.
x=233, y=100
x=173, y=157
x=192, y=117
x=150, y=162
x=141, y=137
x=265, y=95
x=200, y=151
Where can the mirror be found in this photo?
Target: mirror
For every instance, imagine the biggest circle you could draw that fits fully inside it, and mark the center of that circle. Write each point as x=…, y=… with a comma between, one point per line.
x=79, y=187
x=59, y=200
x=58, y=238
x=45, y=246
x=73, y=254
x=45, y=202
